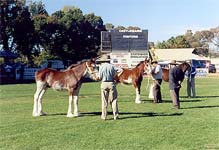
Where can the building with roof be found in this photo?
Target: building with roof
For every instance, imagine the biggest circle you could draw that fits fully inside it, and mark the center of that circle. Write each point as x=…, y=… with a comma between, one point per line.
x=180, y=54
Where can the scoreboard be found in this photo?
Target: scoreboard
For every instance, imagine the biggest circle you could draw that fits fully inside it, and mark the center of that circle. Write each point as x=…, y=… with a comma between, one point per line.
x=126, y=47
x=124, y=40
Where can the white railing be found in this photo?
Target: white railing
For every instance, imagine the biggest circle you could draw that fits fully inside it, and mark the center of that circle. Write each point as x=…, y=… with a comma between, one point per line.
x=29, y=73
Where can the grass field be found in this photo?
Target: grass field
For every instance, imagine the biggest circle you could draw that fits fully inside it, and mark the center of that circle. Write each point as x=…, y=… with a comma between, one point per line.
x=140, y=127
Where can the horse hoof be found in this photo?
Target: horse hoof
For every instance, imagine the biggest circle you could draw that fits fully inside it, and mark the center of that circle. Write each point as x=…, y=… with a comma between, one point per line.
x=70, y=115
x=42, y=114
x=103, y=118
x=35, y=115
x=77, y=115
x=116, y=117
x=138, y=102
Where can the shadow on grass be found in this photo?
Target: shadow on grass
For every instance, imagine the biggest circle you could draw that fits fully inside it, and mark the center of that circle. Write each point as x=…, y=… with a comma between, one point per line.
x=193, y=107
x=183, y=101
x=170, y=101
x=122, y=115
x=57, y=114
x=207, y=96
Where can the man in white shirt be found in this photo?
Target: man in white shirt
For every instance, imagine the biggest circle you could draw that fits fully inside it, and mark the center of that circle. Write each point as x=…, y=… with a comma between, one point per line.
x=108, y=89
x=156, y=72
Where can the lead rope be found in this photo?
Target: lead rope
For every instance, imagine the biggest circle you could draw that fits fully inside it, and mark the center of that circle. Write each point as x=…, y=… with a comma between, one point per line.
x=148, y=79
x=148, y=83
x=88, y=69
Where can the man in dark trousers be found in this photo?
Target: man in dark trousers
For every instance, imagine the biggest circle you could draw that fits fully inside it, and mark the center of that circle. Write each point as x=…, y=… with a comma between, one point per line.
x=175, y=80
x=156, y=72
x=191, y=82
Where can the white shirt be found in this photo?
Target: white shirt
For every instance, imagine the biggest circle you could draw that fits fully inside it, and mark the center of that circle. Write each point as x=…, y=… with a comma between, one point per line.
x=156, y=72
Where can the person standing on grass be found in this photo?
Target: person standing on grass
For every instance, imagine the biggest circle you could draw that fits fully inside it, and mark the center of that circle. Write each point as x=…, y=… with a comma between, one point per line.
x=108, y=89
x=156, y=72
x=174, y=84
x=191, y=81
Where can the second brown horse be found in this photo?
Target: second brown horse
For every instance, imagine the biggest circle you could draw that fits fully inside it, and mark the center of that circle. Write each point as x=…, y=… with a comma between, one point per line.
x=133, y=76
x=165, y=72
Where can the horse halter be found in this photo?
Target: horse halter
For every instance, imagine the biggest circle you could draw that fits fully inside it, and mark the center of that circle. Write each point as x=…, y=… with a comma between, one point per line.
x=90, y=71
x=145, y=67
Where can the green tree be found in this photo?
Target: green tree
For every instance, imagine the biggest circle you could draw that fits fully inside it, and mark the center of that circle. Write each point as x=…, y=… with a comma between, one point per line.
x=17, y=28
x=215, y=40
x=71, y=14
x=120, y=28
x=53, y=39
x=24, y=35
x=9, y=11
x=81, y=36
x=161, y=45
x=94, y=36
x=181, y=42
x=133, y=28
x=109, y=26
x=37, y=8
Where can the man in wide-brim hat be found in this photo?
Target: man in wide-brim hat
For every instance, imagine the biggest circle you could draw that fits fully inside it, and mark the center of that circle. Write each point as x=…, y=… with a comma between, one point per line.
x=173, y=62
x=156, y=72
x=174, y=84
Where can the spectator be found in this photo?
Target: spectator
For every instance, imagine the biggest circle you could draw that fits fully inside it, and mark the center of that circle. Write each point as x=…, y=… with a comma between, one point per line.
x=108, y=89
x=191, y=81
x=174, y=84
x=156, y=72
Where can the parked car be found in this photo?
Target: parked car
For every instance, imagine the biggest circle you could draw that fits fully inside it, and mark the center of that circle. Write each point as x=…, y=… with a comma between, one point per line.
x=212, y=68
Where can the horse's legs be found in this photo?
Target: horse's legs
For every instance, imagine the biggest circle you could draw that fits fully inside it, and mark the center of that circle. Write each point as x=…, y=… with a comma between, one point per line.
x=137, y=91
x=138, y=97
x=40, y=86
x=76, y=92
x=69, y=113
x=40, y=107
x=73, y=96
x=76, y=114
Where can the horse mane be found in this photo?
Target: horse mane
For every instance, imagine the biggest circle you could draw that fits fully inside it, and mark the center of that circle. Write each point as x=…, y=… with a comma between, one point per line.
x=75, y=65
x=139, y=64
x=71, y=66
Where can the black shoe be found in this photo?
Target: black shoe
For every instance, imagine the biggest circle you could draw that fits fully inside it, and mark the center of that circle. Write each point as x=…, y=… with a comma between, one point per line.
x=176, y=107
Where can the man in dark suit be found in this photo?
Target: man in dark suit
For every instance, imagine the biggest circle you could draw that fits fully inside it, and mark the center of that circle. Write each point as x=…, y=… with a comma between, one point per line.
x=176, y=77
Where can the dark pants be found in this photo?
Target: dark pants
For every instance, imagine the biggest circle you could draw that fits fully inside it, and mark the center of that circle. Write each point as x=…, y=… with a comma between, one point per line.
x=191, y=87
x=157, y=91
x=175, y=97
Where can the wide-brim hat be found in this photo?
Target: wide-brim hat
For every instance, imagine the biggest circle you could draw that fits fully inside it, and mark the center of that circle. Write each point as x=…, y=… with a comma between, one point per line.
x=173, y=62
x=154, y=61
x=105, y=58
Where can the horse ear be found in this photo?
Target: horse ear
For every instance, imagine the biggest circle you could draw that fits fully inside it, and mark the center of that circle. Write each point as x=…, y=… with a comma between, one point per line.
x=93, y=59
x=146, y=60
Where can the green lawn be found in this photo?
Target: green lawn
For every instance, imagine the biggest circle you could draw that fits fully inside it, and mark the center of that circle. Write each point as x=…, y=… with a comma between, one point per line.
x=141, y=126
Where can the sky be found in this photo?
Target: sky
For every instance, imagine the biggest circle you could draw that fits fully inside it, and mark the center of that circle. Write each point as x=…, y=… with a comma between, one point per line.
x=162, y=18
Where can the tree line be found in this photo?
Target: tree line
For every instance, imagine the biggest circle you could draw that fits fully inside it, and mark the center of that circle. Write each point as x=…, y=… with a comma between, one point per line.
x=70, y=35
x=35, y=35
x=201, y=40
